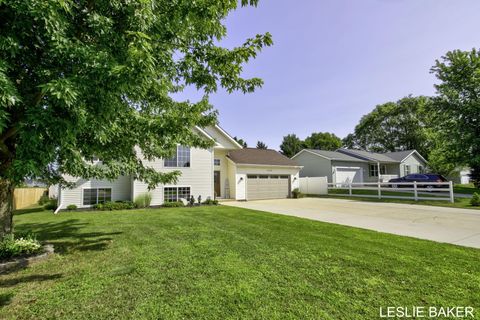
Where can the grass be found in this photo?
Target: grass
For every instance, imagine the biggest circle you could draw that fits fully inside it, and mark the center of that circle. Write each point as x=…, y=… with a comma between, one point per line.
x=229, y=263
x=465, y=189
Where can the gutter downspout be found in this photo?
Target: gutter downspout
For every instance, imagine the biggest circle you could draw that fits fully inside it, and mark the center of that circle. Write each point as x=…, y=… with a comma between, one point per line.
x=59, y=204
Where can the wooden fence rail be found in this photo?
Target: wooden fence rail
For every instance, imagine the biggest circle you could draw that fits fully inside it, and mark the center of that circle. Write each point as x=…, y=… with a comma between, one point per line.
x=25, y=197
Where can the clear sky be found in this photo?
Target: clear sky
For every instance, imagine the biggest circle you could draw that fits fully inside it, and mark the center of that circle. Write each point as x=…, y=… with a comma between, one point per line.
x=334, y=60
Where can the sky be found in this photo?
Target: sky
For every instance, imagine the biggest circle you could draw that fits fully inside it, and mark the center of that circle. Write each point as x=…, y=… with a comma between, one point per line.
x=333, y=61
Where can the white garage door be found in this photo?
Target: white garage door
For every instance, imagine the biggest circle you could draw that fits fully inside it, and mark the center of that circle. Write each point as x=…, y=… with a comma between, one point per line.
x=346, y=175
x=267, y=186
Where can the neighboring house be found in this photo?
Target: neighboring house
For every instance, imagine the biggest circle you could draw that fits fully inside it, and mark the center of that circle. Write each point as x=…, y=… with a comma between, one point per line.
x=357, y=166
x=225, y=171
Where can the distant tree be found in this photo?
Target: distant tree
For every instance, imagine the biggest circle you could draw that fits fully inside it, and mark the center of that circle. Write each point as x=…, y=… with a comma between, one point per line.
x=261, y=145
x=349, y=142
x=323, y=141
x=84, y=78
x=456, y=109
x=242, y=142
x=291, y=145
x=393, y=126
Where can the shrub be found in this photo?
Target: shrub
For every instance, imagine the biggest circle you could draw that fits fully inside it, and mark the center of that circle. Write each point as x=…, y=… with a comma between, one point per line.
x=71, y=207
x=210, y=202
x=44, y=199
x=296, y=193
x=143, y=200
x=51, y=205
x=118, y=205
x=173, y=204
x=475, y=201
x=11, y=246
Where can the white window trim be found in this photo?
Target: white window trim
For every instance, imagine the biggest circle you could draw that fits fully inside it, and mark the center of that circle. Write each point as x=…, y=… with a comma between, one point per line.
x=175, y=186
x=90, y=188
x=177, y=167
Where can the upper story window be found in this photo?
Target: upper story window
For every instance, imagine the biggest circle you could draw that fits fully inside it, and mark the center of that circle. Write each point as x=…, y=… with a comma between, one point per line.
x=181, y=159
x=216, y=162
x=421, y=169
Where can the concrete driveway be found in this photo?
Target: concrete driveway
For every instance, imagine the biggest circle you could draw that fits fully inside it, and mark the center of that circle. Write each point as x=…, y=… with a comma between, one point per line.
x=451, y=225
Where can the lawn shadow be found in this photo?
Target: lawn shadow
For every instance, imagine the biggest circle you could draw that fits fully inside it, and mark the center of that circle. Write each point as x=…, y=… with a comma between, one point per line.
x=28, y=210
x=31, y=278
x=5, y=299
x=67, y=235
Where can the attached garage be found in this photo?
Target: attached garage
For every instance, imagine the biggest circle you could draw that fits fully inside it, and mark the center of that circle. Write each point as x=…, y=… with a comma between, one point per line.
x=267, y=186
x=345, y=175
x=256, y=174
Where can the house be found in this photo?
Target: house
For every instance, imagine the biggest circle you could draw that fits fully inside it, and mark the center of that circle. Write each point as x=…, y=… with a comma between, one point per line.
x=226, y=171
x=358, y=166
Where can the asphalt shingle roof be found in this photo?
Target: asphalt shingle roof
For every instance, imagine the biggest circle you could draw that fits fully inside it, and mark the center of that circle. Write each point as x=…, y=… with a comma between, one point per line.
x=380, y=157
x=260, y=156
x=399, y=155
x=334, y=155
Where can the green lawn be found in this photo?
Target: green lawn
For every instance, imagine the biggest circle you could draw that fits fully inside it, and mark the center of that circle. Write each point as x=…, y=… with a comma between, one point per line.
x=463, y=203
x=465, y=188
x=229, y=263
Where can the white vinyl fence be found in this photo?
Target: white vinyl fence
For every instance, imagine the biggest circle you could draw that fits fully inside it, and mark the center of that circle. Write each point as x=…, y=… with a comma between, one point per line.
x=381, y=190
x=396, y=190
x=314, y=185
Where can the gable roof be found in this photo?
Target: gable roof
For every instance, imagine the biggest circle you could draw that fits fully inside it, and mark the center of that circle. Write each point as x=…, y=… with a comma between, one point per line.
x=331, y=155
x=220, y=136
x=372, y=156
x=402, y=155
x=260, y=157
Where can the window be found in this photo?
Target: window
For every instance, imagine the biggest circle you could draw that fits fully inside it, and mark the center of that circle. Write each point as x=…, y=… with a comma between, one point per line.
x=263, y=177
x=252, y=176
x=421, y=169
x=216, y=162
x=181, y=159
x=373, y=169
x=171, y=194
x=94, y=196
x=283, y=177
x=407, y=169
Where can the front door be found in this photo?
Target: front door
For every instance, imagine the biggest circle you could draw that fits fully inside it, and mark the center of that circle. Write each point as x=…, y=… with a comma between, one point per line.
x=216, y=183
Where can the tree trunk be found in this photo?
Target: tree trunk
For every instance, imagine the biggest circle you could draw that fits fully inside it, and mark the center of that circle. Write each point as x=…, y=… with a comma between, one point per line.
x=6, y=207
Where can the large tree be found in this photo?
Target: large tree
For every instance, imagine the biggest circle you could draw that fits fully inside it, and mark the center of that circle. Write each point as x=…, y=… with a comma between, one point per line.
x=95, y=78
x=291, y=145
x=456, y=109
x=393, y=126
x=323, y=141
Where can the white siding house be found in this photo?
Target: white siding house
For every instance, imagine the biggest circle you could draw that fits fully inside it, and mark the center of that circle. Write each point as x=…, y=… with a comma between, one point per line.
x=209, y=173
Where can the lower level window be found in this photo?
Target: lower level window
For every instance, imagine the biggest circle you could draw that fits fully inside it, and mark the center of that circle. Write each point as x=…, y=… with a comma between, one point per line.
x=97, y=195
x=171, y=194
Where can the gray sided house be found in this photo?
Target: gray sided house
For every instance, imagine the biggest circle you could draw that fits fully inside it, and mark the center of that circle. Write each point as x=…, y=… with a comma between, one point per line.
x=357, y=166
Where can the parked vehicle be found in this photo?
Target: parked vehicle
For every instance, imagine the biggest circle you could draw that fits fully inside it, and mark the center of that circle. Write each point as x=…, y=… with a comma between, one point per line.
x=419, y=177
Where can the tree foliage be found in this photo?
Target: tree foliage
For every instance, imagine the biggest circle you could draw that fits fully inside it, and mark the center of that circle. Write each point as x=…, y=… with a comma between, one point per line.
x=95, y=78
x=323, y=141
x=261, y=145
x=291, y=145
x=241, y=142
x=393, y=126
x=456, y=108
